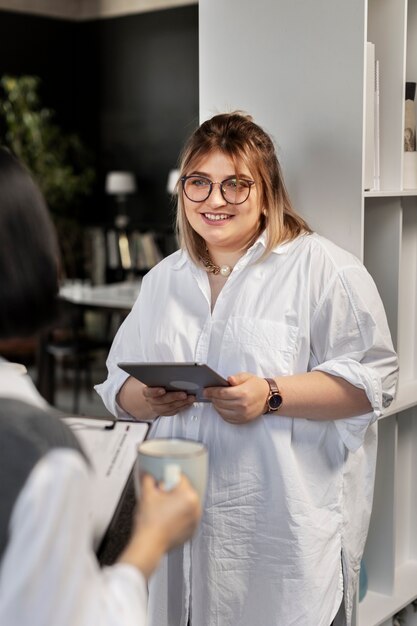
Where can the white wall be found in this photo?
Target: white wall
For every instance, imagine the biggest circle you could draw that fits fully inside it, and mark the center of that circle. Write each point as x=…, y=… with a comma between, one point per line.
x=283, y=62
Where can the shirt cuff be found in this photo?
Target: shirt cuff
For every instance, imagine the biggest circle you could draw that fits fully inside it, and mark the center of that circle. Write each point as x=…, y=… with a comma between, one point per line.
x=129, y=584
x=352, y=430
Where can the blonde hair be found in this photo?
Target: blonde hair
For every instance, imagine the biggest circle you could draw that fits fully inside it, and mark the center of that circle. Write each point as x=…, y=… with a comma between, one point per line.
x=238, y=137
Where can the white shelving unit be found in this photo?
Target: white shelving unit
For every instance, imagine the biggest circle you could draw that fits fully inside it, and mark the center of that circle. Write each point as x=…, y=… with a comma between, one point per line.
x=390, y=253
x=298, y=68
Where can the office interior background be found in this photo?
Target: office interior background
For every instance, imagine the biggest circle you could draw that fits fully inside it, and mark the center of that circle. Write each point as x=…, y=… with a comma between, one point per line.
x=123, y=78
x=125, y=81
x=132, y=82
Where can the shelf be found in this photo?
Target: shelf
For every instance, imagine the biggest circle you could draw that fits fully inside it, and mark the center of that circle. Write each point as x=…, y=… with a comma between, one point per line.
x=375, y=608
x=326, y=182
x=390, y=193
x=406, y=398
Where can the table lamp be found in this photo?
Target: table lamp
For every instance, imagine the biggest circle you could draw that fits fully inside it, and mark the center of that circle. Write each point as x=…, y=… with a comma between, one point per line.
x=120, y=184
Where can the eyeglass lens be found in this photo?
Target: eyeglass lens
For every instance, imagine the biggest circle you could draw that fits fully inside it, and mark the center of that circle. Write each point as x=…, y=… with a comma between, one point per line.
x=233, y=190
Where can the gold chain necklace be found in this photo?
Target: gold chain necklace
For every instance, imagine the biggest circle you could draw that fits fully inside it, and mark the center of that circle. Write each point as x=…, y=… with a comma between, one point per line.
x=223, y=270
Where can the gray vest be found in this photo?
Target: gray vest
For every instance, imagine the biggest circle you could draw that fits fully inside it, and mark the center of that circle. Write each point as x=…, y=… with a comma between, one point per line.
x=27, y=433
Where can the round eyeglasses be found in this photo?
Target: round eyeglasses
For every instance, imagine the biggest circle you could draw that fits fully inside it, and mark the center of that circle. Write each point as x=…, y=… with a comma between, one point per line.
x=234, y=190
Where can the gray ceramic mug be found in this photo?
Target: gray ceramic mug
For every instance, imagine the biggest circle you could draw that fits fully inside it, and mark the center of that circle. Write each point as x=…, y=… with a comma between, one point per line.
x=167, y=459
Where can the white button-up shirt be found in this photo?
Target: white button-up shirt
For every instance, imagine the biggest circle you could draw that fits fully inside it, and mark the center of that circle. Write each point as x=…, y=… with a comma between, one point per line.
x=49, y=575
x=288, y=500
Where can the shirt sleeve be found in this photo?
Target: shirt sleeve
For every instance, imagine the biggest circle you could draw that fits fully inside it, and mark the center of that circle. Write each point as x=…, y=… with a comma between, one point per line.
x=49, y=573
x=350, y=338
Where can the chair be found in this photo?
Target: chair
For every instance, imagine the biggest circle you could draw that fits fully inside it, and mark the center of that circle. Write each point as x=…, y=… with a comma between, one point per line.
x=69, y=345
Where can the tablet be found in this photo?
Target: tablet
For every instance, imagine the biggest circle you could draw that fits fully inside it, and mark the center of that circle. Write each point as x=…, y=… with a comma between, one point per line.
x=189, y=377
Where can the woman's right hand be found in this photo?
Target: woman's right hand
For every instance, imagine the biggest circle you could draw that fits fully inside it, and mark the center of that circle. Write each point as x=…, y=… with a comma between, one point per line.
x=146, y=403
x=173, y=514
x=164, y=402
x=164, y=519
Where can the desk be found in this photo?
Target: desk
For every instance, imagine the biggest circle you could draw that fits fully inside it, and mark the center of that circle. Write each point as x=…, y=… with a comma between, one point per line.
x=75, y=297
x=115, y=296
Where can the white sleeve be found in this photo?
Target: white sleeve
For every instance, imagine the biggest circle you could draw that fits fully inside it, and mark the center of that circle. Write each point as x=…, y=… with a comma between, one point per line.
x=49, y=574
x=350, y=339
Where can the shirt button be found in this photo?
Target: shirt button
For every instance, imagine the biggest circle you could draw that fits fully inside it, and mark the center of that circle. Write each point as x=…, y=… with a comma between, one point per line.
x=194, y=418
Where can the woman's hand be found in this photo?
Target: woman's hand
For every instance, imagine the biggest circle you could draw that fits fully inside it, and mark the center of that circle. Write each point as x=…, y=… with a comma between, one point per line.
x=147, y=403
x=242, y=402
x=163, y=520
x=164, y=402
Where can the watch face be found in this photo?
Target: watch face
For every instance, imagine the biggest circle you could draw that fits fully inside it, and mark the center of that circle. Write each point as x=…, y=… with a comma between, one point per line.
x=275, y=401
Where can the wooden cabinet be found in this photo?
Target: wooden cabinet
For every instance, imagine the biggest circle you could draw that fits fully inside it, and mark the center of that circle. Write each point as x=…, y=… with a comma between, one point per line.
x=299, y=68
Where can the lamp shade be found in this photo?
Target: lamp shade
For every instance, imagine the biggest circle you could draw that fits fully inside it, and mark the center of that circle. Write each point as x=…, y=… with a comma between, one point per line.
x=120, y=183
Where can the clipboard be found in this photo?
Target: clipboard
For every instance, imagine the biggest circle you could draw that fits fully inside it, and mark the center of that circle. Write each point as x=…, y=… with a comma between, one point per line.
x=110, y=446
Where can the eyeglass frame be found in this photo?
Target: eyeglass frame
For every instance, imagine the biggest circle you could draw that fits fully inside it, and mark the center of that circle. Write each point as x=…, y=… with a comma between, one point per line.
x=183, y=180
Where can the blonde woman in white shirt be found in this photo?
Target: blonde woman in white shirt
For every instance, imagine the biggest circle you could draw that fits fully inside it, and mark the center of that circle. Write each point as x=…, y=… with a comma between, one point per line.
x=297, y=327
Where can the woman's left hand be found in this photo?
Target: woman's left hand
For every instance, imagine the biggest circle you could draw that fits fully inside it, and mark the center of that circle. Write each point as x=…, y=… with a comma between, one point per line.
x=242, y=402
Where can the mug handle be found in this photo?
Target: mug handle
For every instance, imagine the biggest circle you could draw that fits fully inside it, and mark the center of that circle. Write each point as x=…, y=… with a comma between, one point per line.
x=172, y=474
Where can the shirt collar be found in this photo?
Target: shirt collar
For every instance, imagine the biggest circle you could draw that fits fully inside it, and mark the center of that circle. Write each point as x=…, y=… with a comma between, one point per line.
x=281, y=248
x=183, y=257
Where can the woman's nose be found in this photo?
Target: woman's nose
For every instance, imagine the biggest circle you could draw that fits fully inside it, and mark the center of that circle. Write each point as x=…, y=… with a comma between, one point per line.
x=216, y=198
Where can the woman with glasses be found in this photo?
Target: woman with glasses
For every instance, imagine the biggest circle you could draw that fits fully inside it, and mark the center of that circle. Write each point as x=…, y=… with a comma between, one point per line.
x=297, y=327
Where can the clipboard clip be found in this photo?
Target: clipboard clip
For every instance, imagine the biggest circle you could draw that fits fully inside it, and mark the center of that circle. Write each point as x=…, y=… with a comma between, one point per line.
x=93, y=423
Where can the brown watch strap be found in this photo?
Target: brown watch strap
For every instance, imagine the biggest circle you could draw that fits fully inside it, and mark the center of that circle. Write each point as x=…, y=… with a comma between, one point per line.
x=272, y=385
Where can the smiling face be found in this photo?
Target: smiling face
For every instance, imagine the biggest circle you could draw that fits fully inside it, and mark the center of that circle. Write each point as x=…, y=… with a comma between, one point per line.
x=226, y=228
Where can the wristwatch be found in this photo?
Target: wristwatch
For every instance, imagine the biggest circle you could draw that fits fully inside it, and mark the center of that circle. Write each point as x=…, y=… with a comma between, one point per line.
x=274, y=400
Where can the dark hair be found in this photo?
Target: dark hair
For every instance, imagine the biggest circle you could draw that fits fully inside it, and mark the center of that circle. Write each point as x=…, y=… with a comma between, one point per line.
x=28, y=253
x=237, y=136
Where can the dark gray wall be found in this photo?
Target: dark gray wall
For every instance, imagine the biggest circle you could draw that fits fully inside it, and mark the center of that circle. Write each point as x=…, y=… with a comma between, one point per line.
x=148, y=98
x=128, y=85
x=43, y=47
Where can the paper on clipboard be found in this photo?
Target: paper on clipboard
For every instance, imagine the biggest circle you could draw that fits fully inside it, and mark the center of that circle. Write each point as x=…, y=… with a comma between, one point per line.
x=111, y=448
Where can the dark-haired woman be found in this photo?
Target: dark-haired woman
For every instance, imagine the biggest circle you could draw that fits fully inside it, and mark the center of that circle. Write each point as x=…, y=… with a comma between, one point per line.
x=49, y=575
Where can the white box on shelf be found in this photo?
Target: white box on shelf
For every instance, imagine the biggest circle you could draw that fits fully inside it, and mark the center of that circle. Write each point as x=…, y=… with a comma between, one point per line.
x=410, y=170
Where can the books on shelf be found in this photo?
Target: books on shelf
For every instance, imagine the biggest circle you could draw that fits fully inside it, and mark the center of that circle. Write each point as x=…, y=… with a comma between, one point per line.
x=144, y=250
x=113, y=259
x=136, y=250
x=96, y=255
x=120, y=250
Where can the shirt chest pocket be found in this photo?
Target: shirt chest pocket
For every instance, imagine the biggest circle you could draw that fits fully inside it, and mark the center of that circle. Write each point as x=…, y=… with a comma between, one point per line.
x=262, y=347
